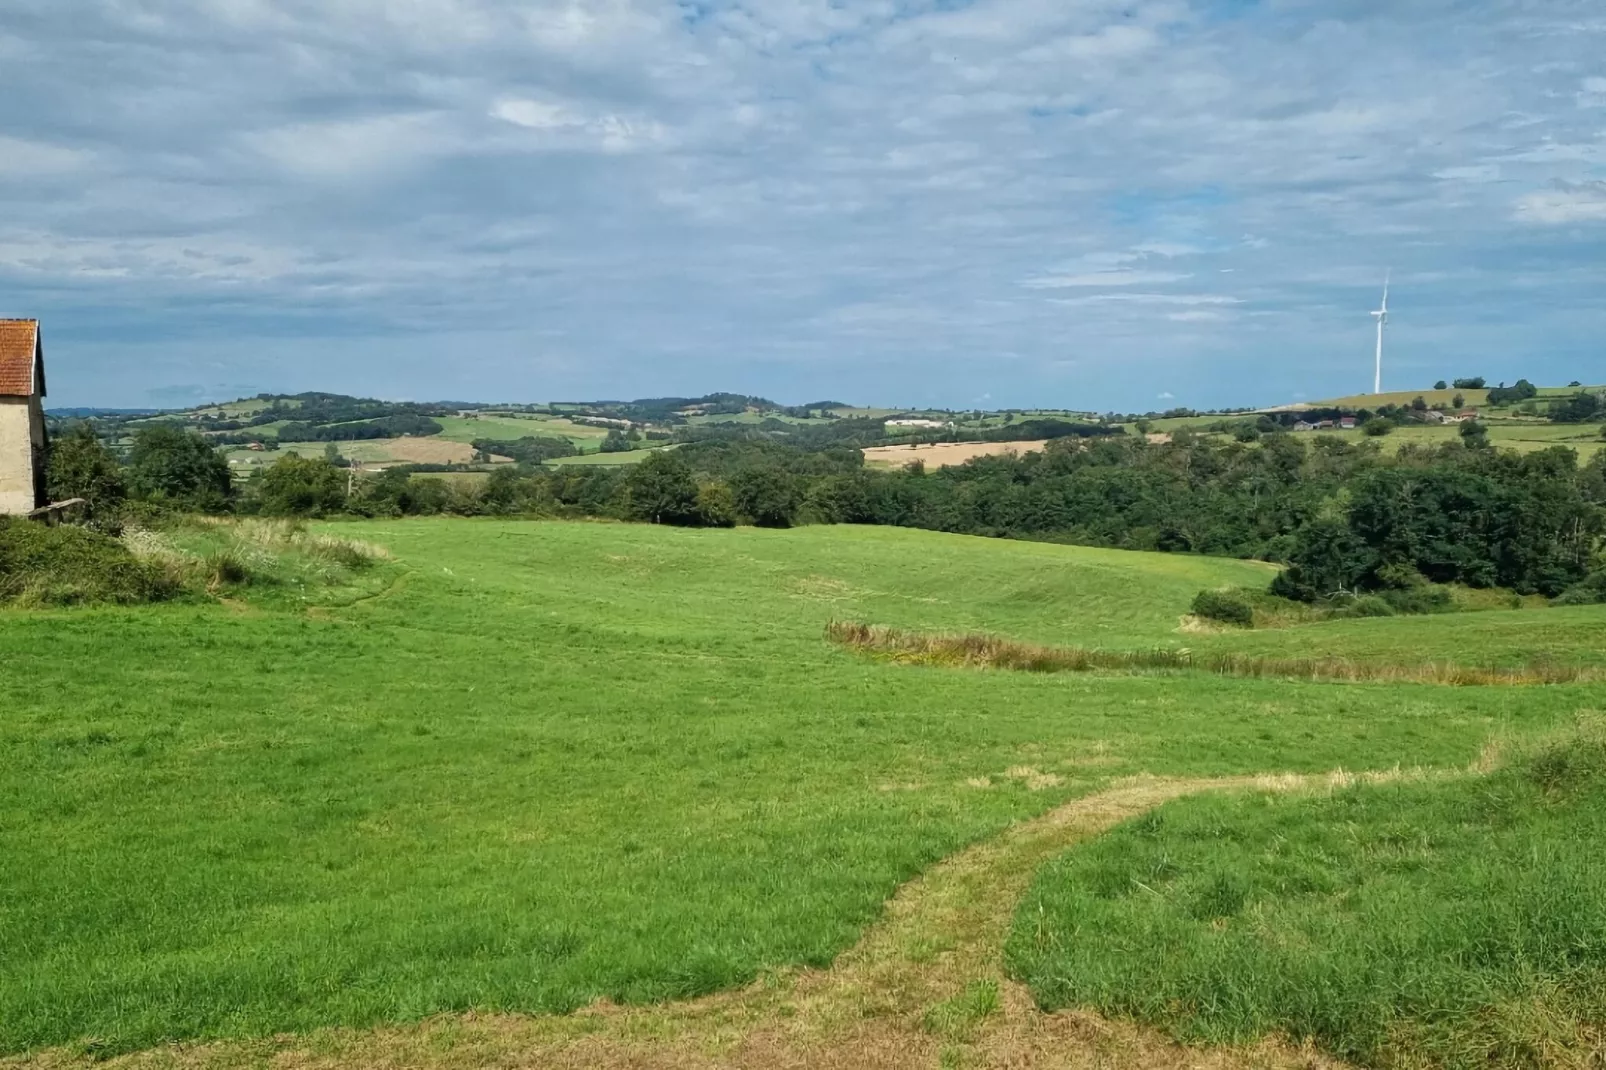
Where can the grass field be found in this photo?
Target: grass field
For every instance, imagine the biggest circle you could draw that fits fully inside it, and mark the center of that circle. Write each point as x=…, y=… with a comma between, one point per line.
x=1454, y=922
x=553, y=763
x=518, y=425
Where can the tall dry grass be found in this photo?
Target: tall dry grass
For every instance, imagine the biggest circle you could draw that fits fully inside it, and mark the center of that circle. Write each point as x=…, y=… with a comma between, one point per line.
x=994, y=652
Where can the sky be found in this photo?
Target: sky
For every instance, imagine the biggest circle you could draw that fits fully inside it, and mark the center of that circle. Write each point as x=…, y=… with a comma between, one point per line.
x=961, y=203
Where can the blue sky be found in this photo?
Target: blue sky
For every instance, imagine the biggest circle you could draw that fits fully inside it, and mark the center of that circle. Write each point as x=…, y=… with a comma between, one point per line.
x=1110, y=205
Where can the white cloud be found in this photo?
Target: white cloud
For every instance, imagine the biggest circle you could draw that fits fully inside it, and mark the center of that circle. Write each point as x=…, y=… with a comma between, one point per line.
x=1568, y=203
x=22, y=158
x=1150, y=299
x=351, y=148
x=786, y=194
x=605, y=130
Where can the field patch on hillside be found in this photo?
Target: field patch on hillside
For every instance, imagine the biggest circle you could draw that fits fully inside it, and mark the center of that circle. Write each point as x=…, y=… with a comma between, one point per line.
x=945, y=454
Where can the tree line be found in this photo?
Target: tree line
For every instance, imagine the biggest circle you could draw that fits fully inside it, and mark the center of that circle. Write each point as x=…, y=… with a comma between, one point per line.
x=1344, y=517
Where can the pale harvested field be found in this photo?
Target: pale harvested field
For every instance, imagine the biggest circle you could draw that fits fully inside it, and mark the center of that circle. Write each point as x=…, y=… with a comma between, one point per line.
x=944, y=454
x=432, y=450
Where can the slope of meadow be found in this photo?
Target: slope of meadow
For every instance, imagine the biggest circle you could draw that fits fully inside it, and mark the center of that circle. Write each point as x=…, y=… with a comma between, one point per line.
x=561, y=762
x=1451, y=922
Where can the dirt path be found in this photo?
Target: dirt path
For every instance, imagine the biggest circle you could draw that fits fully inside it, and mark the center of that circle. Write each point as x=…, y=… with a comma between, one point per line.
x=925, y=987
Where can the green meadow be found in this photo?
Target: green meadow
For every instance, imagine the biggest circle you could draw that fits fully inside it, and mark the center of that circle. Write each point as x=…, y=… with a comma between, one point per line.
x=542, y=764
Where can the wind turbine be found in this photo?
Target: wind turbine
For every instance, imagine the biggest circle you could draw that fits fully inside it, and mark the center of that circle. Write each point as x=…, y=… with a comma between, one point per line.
x=1382, y=315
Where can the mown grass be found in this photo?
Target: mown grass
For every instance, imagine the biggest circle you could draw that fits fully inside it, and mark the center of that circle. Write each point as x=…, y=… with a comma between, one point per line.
x=562, y=762
x=995, y=652
x=1449, y=922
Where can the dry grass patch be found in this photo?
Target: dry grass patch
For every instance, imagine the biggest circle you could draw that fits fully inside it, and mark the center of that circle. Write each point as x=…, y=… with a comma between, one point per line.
x=993, y=652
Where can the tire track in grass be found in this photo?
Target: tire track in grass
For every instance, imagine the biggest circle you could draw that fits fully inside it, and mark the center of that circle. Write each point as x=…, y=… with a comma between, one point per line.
x=924, y=987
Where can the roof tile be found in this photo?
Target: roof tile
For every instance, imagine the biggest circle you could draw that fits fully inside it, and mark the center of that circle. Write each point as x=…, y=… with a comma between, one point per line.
x=19, y=342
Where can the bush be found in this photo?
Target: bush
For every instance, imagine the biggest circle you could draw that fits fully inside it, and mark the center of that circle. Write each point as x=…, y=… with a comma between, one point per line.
x=81, y=466
x=69, y=565
x=1420, y=599
x=225, y=568
x=1377, y=427
x=1228, y=607
x=1367, y=605
x=1587, y=592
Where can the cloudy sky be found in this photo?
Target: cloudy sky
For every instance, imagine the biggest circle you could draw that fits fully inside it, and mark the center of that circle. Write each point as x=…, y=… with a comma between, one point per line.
x=958, y=202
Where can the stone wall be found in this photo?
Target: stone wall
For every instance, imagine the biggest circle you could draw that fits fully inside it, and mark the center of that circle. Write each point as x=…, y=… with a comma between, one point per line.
x=21, y=444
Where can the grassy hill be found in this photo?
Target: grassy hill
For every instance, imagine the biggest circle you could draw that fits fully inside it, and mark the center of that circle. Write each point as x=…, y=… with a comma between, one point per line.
x=561, y=762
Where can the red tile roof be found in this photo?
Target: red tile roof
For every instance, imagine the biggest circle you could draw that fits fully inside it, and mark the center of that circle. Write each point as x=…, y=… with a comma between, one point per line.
x=19, y=348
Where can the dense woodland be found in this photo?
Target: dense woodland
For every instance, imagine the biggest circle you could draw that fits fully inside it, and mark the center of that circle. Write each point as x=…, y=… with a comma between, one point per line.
x=1345, y=517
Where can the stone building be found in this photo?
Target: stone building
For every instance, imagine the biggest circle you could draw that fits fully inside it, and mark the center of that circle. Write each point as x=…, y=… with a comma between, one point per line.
x=22, y=417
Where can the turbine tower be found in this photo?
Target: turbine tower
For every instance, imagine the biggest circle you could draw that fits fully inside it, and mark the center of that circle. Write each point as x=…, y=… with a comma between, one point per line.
x=1382, y=315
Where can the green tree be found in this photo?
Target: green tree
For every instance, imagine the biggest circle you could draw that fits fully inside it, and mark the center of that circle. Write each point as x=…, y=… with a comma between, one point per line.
x=716, y=505
x=300, y=486
x=769, y=497
x=661, y=489
x=169, y=464
x=1474, y=435
x=81, y=466
x=1582, y=407
x=616, y=442
x=1377, y=427
x=1327, y=558
x=1441, y=385
x=1459, y=401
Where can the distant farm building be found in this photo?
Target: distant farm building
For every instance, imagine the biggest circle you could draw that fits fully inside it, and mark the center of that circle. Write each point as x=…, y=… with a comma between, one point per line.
x=22, y=417
x=924, y=424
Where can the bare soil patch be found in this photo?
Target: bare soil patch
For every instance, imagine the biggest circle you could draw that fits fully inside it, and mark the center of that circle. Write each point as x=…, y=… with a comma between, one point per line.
x=946, y=454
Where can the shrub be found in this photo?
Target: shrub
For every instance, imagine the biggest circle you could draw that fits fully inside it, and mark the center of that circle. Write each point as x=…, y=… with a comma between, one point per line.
x=1367, y=605
x=1228, y=607
x=1420, y=599
x=81, y=466
x=1377, y=427
x=225, y=568
x=67, y=565
x=1587, y=592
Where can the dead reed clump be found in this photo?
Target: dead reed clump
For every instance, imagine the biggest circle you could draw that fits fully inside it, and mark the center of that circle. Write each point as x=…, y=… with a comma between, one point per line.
x=994, y=652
